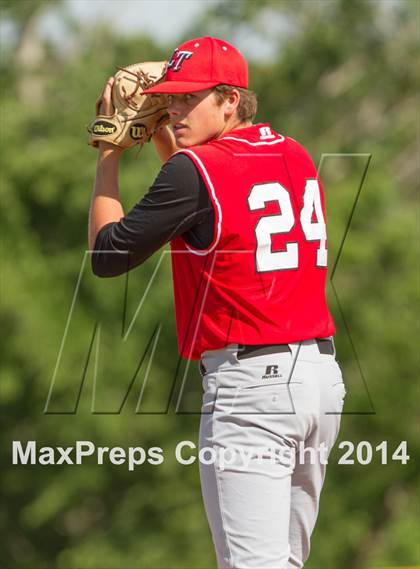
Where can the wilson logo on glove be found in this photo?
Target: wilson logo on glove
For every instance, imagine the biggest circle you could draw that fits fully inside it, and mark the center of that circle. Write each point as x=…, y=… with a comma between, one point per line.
x=138, y=131
x=102, y=128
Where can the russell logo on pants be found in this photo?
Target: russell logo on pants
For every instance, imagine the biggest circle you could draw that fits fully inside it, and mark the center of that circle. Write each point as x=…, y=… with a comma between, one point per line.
x=271, y=372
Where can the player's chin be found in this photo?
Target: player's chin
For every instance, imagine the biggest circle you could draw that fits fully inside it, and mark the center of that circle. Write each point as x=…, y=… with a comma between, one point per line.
x=183, y=141
x=186, y=139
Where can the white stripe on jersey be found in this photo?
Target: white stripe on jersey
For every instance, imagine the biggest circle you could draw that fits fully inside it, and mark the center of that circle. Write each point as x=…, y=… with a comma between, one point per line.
x=254, y=143
x=213, y=193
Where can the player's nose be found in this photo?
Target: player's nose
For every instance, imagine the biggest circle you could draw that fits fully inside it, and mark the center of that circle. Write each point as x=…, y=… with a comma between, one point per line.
x=173, y=110
x=174, y=106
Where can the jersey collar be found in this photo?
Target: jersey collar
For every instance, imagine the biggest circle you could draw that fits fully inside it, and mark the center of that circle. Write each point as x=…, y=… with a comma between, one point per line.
x=255, y=133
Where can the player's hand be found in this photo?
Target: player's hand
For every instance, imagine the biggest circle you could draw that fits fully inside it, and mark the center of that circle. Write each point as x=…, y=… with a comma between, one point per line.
x=165, y=144
x=105, y=107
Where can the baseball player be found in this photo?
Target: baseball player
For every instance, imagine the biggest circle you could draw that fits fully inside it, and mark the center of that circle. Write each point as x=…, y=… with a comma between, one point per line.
x=243, y=209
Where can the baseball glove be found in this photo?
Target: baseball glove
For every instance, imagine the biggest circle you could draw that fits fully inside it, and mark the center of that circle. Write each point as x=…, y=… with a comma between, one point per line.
x=137, y=116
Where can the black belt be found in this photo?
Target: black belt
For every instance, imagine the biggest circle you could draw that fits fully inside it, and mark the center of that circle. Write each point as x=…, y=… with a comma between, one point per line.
x=325, y=346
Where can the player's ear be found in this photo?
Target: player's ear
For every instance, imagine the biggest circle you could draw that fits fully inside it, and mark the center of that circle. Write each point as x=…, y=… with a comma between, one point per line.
x=231, y=102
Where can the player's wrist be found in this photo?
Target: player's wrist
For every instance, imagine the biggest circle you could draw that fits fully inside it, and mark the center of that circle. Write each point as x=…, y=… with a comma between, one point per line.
x=107, y=149
x=164, y=141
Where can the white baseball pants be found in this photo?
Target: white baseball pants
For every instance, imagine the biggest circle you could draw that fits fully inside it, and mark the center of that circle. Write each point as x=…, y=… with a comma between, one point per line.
x=269, y=423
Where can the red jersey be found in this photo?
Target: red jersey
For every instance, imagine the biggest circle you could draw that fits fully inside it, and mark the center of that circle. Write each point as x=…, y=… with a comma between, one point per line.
x=262, y=279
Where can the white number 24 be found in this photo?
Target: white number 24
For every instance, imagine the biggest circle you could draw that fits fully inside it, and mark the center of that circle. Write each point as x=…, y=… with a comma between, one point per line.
x=266, y=259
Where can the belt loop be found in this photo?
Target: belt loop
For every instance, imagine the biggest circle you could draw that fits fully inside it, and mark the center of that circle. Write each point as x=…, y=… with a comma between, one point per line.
x=326, y=346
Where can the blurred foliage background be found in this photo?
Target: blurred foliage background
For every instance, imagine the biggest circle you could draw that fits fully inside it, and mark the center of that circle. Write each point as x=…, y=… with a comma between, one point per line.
x=342, y=78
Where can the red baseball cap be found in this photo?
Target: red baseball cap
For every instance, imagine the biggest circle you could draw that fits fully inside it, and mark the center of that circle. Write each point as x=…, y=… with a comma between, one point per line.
x=202, y=63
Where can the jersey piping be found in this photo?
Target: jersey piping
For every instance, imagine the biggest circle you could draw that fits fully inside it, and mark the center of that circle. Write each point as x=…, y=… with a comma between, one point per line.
x=218, y=211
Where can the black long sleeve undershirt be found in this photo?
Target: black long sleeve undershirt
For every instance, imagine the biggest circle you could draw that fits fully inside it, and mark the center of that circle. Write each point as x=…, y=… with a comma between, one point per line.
x=176, y=204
